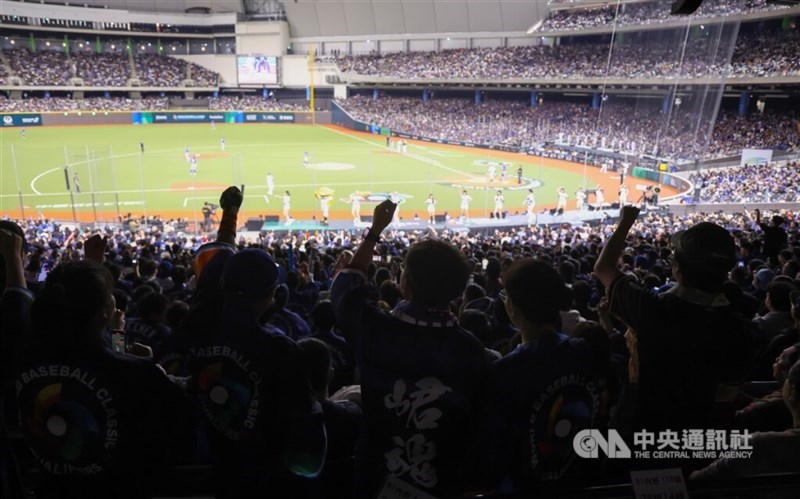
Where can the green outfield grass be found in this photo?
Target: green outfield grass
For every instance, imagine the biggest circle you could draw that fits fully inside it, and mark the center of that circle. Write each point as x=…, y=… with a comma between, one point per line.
x=108, y=164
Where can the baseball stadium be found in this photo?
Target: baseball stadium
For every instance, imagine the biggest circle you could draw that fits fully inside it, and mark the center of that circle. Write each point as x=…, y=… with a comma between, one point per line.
x=332, y=249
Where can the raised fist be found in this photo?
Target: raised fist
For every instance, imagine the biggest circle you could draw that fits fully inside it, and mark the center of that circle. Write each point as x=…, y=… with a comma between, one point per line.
x=231, y=198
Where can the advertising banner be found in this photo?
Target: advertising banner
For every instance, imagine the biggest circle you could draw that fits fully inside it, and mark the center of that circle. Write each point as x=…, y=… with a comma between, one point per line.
x=21, y=120
x=147, y=118
x=756, y=156
x=268, y=117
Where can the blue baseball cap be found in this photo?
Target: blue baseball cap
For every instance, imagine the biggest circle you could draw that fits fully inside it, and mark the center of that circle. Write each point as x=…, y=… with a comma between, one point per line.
x=250, y=273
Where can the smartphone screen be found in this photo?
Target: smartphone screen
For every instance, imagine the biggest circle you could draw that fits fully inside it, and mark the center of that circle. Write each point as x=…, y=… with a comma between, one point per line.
x=118, y=342
x=376, y=258
x=485, y=263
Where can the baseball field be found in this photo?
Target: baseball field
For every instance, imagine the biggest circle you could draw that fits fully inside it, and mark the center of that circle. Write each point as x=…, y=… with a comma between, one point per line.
x=101, y=172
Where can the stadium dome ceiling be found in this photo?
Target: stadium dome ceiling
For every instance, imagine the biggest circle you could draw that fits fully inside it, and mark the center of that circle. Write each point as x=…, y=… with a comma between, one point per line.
x=309, y=18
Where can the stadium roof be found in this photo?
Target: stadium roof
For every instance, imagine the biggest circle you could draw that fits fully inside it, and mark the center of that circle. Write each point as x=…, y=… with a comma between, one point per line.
x=312, y=18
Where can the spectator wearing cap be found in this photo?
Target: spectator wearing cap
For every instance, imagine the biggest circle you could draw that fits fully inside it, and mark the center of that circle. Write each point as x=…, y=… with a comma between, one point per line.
x=164, y=276
x=773, y=452
x=689, y=339
x=543, y=392
x=421, y=373
x=779, y=312
x=249, y=379
x=251, y=383
x=294, y=326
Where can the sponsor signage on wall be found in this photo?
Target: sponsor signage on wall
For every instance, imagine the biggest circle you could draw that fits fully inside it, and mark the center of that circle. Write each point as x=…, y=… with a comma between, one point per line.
x=21, y=120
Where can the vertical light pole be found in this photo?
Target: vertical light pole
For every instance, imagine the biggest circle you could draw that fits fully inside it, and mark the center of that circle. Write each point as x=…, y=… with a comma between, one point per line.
x=16, y=176
x=114, y=181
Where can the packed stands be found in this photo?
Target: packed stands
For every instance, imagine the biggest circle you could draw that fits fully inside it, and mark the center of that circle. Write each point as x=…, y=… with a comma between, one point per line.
x=102, y=70
x=619, y=126
x=40, y=68
x=772, y=54
x=253, y=103
x=646, y=13
x=57, y=104
x=203, y=77
x=56, y=68
x=158, y=71
x=764, y=183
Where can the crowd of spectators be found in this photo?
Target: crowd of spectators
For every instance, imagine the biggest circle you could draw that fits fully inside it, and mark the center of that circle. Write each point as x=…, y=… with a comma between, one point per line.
x=646, y=13
x=158, y=71
x=147, y=103
x=254, y=103
x=770, y=129
x=761, y=55
x=107, y=70
x=202, y=77
x=453, y=341
x=636, y=128
x=56, y=68
x=40, y=68
x=773, y=54
x=761, y=183
x=58, y=104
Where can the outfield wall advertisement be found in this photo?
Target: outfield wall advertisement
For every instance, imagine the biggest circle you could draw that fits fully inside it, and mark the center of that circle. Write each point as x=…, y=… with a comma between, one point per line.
x=21, y=120
x=148, y=118
x=266, y=118
x=155, y=117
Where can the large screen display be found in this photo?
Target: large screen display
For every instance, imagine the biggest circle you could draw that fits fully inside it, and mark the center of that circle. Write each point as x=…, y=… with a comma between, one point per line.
x=257, y=69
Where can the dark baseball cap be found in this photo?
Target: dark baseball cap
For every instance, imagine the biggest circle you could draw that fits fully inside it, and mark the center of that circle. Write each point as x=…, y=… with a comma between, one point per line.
x=250, y=273
x=706, y=246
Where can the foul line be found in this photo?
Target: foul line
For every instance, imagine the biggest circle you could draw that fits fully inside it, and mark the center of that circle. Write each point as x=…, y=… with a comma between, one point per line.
x=438, y=165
